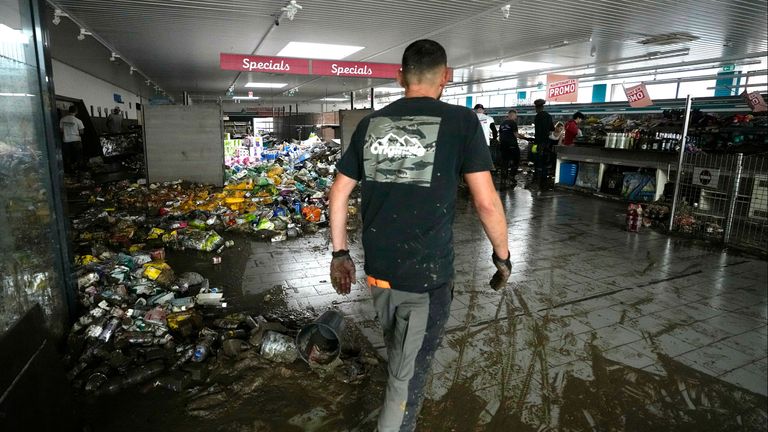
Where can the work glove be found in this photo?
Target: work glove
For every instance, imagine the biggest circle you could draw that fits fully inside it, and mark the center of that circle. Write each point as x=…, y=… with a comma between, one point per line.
x=503, y=271
x=342, y=272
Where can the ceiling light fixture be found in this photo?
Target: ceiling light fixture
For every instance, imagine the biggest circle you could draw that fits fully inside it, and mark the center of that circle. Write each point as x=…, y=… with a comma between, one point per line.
x=57, y=15
x=291, y=9
x=518, y=66
x=246, y=97
x=113, y=57
x=505, y=11
x=130, y=71
x=318, y=50
x=331, y=99
x=83, y=34
x=265, y=85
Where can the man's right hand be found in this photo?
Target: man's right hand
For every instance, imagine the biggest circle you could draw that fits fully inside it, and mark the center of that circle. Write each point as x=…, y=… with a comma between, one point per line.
x=503, y=271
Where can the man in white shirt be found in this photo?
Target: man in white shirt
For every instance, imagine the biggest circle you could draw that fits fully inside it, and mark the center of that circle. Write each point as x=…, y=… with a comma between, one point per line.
x=489, y=127
x=72, y=131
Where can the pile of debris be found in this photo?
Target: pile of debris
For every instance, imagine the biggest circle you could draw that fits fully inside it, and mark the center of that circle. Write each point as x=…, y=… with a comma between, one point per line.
x=144, y=322
x=280, y=199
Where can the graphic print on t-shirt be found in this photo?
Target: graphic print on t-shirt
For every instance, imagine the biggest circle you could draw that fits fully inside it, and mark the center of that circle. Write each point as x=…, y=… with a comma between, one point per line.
x=401, y=149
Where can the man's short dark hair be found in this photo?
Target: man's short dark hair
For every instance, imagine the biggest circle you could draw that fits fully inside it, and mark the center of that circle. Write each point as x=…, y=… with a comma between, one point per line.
x=512, y=111
x=421, y=57
x=72, y=109
x=578, y=115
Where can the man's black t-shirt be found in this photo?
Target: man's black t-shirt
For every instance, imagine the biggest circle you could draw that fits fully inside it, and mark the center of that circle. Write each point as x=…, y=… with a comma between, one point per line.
x=409, y=157
x=508, y=132
x=543, y=126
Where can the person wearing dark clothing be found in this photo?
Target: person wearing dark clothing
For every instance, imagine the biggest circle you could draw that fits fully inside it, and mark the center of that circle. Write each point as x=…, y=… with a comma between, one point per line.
x=408, y=158
x=509, y=147
x=543, y=125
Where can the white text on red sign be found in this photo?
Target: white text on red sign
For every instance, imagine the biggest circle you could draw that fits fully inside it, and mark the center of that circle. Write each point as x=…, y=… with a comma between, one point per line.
x=561, y=88
x=635, y=95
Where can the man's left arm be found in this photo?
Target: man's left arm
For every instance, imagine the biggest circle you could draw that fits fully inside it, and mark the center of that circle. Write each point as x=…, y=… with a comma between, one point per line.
x=342, y=266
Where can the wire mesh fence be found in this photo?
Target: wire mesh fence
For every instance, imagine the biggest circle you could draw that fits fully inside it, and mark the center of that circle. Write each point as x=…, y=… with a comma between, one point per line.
x=724, y=197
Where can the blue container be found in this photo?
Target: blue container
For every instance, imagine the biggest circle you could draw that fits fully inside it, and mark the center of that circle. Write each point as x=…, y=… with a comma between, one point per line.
x=568, y=171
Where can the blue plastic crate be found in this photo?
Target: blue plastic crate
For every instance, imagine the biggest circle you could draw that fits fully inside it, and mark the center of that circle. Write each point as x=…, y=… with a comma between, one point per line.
x=568, y=171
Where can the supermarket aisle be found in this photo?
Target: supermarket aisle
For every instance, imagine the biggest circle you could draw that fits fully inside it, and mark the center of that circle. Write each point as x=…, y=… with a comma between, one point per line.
x=644, y=325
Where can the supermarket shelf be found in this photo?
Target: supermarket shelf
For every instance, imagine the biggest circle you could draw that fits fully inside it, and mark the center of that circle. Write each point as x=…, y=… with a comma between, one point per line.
x=631, y=158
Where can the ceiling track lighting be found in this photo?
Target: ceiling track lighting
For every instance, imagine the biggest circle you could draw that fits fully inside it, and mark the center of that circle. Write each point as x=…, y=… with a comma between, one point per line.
x=83, y=34
x=113, y=57
x=130, y=71
x=291, y=9
x=505, y=11
x=58, y=14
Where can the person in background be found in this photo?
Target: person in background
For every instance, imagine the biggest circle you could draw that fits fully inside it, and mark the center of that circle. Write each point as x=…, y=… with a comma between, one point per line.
x=543, y=126
x=556, y=136
x=408, y=158
x=509, y=148
x=72, y=132
x=486, y=121
x=115, y=121
x=572, y=129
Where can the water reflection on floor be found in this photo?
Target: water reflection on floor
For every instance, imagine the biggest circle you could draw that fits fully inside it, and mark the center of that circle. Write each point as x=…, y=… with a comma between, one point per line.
x=599, y=329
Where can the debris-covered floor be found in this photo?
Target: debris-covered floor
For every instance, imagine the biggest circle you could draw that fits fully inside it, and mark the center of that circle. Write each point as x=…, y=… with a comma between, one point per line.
x=600, y=329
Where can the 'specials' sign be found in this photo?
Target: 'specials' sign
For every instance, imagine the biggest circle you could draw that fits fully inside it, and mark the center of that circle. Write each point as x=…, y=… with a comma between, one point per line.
x=355, y=69
x=245, y=63
x=296, y=66
x=561, y=88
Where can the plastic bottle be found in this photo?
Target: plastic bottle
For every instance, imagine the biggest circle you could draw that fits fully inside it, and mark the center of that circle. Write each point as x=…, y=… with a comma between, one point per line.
x=204, y=345
x=133, y=377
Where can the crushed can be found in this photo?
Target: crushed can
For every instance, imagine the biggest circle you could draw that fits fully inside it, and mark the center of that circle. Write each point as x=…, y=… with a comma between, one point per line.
x=216, y=260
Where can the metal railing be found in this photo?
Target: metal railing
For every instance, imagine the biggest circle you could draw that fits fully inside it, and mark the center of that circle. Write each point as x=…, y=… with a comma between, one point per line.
x=724, y=197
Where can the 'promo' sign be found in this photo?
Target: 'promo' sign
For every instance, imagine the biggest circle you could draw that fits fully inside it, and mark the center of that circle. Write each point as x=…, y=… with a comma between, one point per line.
x=561, y=88
x=638, y=96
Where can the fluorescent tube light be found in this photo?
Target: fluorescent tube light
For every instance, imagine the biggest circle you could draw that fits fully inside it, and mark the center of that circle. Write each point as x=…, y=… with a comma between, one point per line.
x=318, y=50
x=265, y=85
x=518, y=66
x=246, y=97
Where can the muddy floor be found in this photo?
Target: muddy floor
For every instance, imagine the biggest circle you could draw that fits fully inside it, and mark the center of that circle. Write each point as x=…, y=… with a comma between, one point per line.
x=599, y=330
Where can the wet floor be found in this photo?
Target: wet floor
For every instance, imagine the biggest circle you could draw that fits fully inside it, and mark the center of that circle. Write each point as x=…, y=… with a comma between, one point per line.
x=599, y=330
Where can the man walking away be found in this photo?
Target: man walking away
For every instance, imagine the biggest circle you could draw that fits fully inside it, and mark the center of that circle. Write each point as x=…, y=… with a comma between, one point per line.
x=543, y=125
x=408, y=158
x=115, y=121
x=72, y=131
x=572, y=129
x=510, y=149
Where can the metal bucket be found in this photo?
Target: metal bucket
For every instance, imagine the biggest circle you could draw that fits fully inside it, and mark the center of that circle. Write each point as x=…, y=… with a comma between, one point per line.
x=320, y=342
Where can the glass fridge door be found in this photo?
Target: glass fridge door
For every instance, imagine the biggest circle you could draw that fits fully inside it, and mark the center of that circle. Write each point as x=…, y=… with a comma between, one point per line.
x=33, y=247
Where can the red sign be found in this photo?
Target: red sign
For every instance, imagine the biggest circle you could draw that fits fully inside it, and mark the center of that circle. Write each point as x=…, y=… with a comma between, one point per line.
x=638, y=96
x=296, y=66
x=355, y=69
x=755, y=101
x=245, y=63
x=561, y=88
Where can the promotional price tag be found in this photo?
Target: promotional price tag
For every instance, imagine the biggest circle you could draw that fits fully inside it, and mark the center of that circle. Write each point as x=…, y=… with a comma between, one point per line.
x=638, y=96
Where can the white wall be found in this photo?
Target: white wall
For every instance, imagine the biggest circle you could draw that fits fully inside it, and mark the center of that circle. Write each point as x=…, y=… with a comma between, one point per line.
x=74, y=83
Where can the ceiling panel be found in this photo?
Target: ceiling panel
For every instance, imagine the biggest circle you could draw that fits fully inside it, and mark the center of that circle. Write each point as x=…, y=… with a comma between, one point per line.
x=177, y=42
